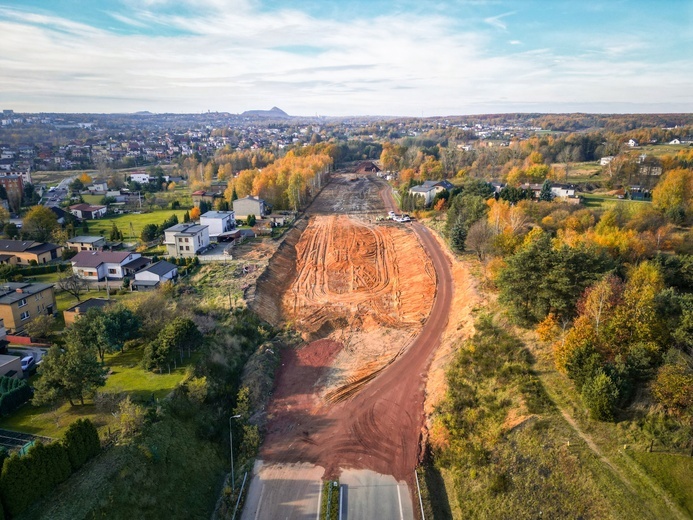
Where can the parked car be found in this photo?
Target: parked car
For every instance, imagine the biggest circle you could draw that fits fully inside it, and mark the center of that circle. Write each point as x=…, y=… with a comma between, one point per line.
x=28, y=363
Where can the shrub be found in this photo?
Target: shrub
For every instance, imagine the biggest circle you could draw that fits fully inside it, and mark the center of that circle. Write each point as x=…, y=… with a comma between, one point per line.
x=600, y=394
x=13, y=394
x=81, y=442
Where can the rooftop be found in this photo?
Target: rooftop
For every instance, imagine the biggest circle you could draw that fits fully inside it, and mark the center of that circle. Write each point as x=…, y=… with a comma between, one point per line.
x=217, y=214
x=91, y=303
x=84, y=239
x=96, y=258
x=186, y=229
x=161, y=267
x=12, y=292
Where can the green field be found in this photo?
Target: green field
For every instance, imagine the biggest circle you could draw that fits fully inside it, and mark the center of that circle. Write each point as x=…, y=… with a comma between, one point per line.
x=603, y=201
x=103, y=225
x=673, y=472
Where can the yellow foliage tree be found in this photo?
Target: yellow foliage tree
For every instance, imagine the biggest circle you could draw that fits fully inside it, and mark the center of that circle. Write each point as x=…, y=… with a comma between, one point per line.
x=195, y=213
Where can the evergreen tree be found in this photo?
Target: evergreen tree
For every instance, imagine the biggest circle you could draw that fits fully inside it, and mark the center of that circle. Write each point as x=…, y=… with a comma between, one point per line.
x=545, y=193
x=458, y=235
x=186, y=217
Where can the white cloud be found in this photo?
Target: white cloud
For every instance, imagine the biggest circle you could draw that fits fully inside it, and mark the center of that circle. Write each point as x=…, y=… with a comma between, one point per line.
x=236, y=59
x=497, y=21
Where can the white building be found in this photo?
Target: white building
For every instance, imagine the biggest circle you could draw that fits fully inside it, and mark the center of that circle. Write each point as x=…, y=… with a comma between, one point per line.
x=632, y=143
x=186, y=239
x=153, y=275
x=99, y=265
x=218, y=222
x=142, y=178
x=606, y=160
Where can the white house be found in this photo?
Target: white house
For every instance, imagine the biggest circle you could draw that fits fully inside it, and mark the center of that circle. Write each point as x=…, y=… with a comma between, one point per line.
x=632, y=143
x=606, y=160
x=153, y=275
x=675, y=140
x=99, y=187
x=186, y=239
x=218, y=222
x=562, y=191
x=99, y=265
x=142, y=178
x=429, y=189
x=87, y=211
x=249, y=206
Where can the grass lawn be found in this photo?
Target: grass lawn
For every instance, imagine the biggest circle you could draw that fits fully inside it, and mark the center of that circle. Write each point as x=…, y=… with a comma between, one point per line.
x=138, y=221
x=92, y=199
x=593, y=200
x=126, y=376
x=673, y=472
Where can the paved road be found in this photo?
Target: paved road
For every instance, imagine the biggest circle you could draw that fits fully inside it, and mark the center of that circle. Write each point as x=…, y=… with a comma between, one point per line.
x=368, y=494
x=284, y=491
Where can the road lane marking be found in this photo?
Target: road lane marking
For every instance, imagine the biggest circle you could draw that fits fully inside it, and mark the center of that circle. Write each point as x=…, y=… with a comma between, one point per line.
x=399, y=499
x=317, y=517
x=259, y=502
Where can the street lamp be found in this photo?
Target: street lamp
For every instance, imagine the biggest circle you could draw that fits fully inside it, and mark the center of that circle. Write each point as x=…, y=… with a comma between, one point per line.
x=233, y=483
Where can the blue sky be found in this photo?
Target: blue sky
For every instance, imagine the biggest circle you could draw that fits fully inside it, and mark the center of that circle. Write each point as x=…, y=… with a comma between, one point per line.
x=347, y=57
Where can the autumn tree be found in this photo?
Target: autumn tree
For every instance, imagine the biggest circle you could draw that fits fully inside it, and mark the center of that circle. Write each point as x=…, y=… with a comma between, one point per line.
x=673, y=195
x=39, y=223
x=195, y=213
x=480, y=238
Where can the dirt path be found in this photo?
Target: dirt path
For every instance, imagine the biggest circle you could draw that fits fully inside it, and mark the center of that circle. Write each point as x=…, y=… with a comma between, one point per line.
x=673, y=508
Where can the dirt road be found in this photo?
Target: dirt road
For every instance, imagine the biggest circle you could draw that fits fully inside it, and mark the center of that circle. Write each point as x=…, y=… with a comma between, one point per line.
x=378, y=427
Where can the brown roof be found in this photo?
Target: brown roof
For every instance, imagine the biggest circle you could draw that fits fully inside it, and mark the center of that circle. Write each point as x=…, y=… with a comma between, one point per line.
x=96, y=258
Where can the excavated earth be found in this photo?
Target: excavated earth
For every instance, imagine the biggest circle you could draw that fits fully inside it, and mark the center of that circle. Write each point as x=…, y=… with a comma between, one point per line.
x=360, y=292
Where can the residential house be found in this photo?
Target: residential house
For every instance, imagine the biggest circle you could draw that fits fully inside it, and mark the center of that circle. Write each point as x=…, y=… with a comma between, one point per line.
x=24, y=252
x=429, y=189
x=101, y=265
x=136, y=265
x=209, y=197
x=87, y=211
x=82, y=308
x=21, y=302
x=153, y=275
x=141, y=178
x=561, y=191
x=249, y=206
x=60, y=213
x=675, y=140
x=606, y=160
x=186, y=239
x=86, y=243
x=98, y=187
x=632, y=143
x=218, y=222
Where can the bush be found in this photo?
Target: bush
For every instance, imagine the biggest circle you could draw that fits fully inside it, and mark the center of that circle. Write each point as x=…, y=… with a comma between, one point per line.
x=13, y=394
x=81, y=442
x=25, y=479
x=600, y=394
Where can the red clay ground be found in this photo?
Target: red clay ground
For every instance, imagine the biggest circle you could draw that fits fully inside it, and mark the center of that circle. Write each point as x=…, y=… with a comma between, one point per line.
x=377, y=428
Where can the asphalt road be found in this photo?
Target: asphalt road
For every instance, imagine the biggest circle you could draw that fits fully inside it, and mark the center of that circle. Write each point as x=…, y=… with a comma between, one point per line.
x=367, y=494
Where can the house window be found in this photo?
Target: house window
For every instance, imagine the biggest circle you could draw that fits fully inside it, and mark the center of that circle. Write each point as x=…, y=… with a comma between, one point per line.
x=24, y=315
x=187, y=239
x=112, y=271
x=22, y=302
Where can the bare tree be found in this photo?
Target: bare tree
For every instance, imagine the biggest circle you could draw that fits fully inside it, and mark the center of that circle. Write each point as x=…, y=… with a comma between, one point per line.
x=480, y=238
x=73, y=284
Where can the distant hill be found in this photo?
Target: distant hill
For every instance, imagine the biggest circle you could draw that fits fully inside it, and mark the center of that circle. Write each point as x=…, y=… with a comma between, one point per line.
x=273, y=113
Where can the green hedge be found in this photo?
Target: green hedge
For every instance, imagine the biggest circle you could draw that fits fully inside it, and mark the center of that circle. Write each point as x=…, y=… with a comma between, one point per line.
x=25, y=479
x=13, y=394
x=42, y=269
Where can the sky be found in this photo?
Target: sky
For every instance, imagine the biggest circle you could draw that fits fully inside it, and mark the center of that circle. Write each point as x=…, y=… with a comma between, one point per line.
x=347, y=57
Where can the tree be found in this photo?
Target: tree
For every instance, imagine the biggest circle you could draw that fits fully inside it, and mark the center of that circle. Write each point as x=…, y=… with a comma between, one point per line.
x=72, y=373
x=195, y=213
x=11, y=230
x=77, y=185
x=673, y=196
x=600, y=395
x=106, y=331
x=85, y=179
x=673, y=387
x=181, y=333
x=41, y=326
x=545, y=194
x=458, y=235
x=186, y=217
x=73, y=284
x=39, y=223
x=149, y=233
x=116, y=234
x=251, y=220
x=480, y=238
